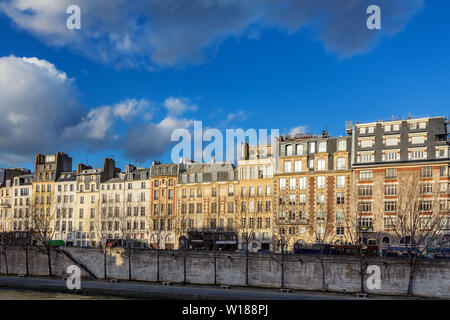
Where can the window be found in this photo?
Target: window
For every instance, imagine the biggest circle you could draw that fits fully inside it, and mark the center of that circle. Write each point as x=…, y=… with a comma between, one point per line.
x=298, y=166
x=425, y=205
x=340, y=163
x=340, y=230
x=340, y=182
x=292, y=184
x=340, y=198
x=199, y=208
x=214, y=207
x=365, y=206
x=390, y=190
x=426, y=188
x=426, y=172
x=391, y=173
x=282, y=184
x=342, y=145
x=362, y=130
x=440, y=153
x=390, y=222
x=366, y=157
x=417, y=154
x=268, y=191
x=302, y=183
x=320, y=216
x=287, y=166
x=391, y=156
x=230, y=191
x=230, y=207
x=321, y=182
x=340, y=216
x=321, y=164
x=289, y=150
x=312, y=147
x=320, y=198
x=365, y=224
x=302, y=199
x=300, y=149
x=365, y=175
x=322, y=146
x=390, y=206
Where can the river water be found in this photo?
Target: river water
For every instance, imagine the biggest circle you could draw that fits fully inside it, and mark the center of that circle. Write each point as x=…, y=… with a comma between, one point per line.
x=7, y=294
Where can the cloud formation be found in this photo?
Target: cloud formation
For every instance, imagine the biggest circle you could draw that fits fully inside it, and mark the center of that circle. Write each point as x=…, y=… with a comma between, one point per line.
x=157, y=33
x=41, y=113
x=37, y=102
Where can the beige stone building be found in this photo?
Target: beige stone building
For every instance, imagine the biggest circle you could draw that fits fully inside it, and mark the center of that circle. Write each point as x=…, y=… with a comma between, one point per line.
x=64, y=203
x=21, y=202
x=207, y=198
x=87, y=202
x=47, y=170
x=254, y=194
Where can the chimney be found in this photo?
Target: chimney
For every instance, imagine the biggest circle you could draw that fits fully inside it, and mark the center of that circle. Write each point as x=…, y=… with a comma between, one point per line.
x=324, y=134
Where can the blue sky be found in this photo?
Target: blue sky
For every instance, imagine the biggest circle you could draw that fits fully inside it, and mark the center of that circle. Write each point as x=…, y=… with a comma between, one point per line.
x=255, y=74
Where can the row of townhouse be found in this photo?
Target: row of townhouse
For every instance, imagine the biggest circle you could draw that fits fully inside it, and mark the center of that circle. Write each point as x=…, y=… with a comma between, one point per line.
x=302, y=192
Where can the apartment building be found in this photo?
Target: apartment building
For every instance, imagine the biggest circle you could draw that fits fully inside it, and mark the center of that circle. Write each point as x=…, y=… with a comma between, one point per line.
x=47, y=170
x=163, y=201
x=207, y=198
x=21, y=202
x=137, y=205
x=256, y=168
x=7, y=179
x=65, y=207
x=87, y=202
x=109, y=223
x=385, y=152
x=312, y=189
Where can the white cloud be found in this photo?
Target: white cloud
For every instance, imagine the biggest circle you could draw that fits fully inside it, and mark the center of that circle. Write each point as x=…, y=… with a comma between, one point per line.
x=41, y=113
x=37, y=102
x=152, y=140
x=177, y=106
x=297, y=130
x=166, y=33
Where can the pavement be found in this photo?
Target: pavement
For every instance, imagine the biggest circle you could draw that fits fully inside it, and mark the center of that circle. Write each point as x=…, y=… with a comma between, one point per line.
x=140, y=290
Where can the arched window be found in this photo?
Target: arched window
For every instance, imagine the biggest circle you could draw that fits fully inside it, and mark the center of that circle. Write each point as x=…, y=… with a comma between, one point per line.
x=289, y=150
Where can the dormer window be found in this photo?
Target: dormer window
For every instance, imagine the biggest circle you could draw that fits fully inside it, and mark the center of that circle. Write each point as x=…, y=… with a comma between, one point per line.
x=322, y=146
x=342, y=145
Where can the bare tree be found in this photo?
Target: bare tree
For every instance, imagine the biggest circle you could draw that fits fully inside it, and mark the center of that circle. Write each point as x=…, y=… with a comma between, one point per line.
x=245, y=227
x=356, y=231
x=158, y=239
x=324, y=231
x=181, y=234
x=102, y=233
x=281, y=239
x=129, y=223
x=44, y=229
x=419, y=218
